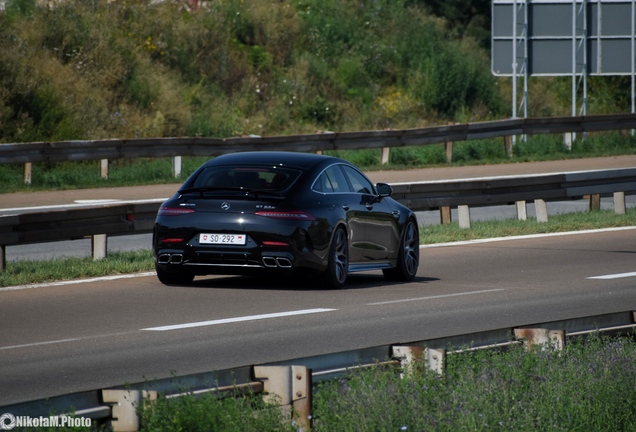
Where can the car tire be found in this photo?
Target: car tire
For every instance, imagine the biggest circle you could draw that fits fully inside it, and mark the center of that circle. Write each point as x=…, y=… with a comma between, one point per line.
x=337, y=268
x=408, y=259
x=173, y=277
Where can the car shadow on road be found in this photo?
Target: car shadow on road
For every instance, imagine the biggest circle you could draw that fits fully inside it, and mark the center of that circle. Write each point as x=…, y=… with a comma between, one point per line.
x=354, y=281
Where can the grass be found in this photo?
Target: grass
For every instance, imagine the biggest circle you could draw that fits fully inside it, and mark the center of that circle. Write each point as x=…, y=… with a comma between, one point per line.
x=586, y=386
x=30, y=272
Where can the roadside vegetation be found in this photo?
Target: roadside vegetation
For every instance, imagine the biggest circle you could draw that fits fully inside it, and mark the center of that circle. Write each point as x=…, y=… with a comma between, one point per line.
x=77, y=69
x=587, y=386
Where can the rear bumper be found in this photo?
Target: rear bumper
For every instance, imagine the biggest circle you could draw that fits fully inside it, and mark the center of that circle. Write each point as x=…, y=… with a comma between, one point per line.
x=202, y=262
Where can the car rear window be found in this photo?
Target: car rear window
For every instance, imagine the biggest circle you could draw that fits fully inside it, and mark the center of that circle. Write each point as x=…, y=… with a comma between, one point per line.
x=267, y=178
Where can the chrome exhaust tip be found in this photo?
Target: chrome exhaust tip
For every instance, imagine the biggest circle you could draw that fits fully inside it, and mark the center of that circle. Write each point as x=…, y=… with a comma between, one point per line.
x=176, y=259
x=283, y=262
x=269, y=262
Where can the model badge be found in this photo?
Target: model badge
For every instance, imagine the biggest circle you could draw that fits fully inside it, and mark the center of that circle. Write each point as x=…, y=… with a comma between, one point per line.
x=225, y=206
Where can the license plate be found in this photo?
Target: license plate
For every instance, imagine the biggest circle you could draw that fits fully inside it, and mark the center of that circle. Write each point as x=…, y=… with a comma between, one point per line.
x=235, y=239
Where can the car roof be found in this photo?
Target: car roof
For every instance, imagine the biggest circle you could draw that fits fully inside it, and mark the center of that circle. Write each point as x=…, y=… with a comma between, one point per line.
x=292, y=159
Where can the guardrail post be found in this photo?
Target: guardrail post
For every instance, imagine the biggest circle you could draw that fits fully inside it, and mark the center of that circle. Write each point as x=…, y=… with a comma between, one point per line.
x=464, y=216
x=28, y=168
x=176, y=166
x=541, y=210
x=508, y=145
x=445, y=215
x=568, y=138
x=533, y=337
x=99, y=246
x=407, y=356
x=103, y=169
x=3, y=258
x=289, y=387
x=522, y=210
x=448, y=148
x=619, y=202
x=435, y=359
x=124, y=416
x=385, y=155
x=595, y=202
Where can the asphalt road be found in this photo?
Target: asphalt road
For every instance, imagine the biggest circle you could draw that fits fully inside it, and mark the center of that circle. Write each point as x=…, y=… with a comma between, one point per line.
x=72, y=337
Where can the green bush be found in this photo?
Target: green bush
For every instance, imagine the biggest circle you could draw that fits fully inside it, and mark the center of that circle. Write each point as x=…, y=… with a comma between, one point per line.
x=95, y=70
x=587, y=386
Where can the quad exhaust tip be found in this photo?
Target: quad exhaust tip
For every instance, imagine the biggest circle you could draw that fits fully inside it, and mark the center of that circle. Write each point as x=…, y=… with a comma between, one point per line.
x=170, y=259
x=272, y=262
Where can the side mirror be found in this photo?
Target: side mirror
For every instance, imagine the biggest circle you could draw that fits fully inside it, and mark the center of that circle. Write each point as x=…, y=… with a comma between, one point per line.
x=384, y=190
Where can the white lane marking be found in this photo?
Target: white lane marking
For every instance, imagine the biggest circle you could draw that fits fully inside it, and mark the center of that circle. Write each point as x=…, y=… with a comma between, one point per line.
x=523, y=237
x=434, y=297
x=614, y=276
x=77, y=281
x=38, y=344
x=238, y=319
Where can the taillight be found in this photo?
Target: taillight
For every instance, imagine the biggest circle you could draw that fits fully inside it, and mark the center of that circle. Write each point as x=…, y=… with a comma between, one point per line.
x=175, y=211
x=294, y=215
x=172, y=240
x=275, y=243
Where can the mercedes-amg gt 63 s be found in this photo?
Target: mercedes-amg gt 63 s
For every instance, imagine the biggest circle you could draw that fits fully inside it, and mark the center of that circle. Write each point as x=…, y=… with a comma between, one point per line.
x=283, y=213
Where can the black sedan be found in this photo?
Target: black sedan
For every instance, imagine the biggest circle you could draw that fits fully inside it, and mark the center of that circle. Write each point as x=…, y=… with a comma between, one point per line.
x=283, y=213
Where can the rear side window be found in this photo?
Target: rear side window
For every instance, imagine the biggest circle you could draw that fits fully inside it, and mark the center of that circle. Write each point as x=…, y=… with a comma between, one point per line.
x=332, y=180
x=267, y=178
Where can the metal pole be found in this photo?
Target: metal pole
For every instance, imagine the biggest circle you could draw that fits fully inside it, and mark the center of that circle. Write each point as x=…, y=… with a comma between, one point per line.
x=514, y=59
x=573, y=58
x=633, y=56
x=525, y=61
x=584, y=48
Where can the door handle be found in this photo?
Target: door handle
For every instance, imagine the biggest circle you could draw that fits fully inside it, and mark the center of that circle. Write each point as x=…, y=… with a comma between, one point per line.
x=345, y=207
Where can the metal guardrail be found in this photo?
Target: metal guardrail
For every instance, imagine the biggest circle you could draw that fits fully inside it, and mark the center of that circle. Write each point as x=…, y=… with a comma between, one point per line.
x=510, y=189
x=171, y=147
x=120, y=219
x=292, y=380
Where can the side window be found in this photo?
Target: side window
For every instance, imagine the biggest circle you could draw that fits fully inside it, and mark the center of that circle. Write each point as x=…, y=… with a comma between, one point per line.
x=359, y=182
x=332, y=180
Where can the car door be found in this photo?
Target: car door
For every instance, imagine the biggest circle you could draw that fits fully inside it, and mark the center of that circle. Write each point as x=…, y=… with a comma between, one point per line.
x=375, y=214
x=333, y=181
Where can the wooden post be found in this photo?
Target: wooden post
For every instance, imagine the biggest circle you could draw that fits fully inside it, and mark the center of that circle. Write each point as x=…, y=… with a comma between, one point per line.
x=445, y=215
x=595, y=202
x=103, y=169
x=385, y=155
x=28, y=167
x=508, y=145
x=176, y=166
x=448, y=147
